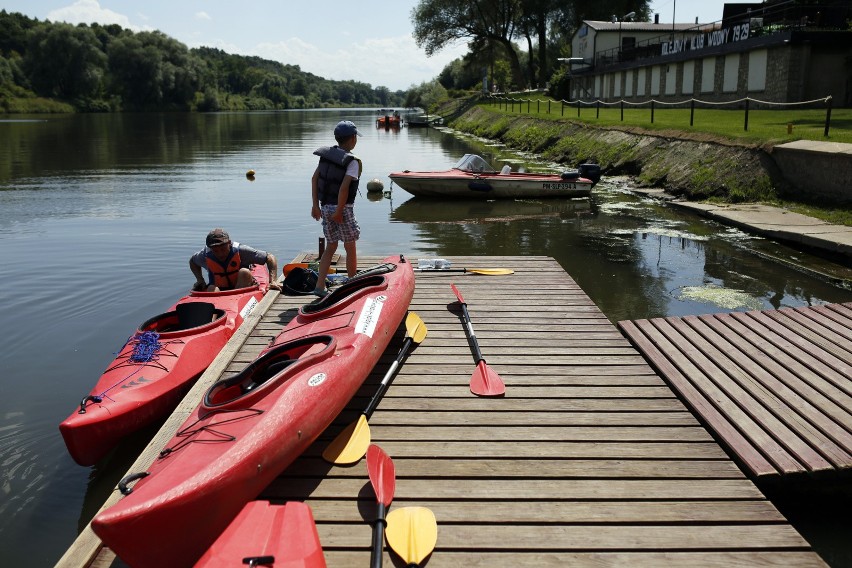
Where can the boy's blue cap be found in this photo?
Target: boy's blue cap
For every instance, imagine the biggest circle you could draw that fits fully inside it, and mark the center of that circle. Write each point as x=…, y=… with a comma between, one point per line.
x=346, y=128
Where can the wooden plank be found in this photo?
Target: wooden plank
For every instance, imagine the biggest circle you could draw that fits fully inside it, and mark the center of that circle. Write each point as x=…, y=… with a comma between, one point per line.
x=805, y=350
x=563, y=512
x=629, y=559
x=531, y=468
x=460, y=490
x=767, y=400
x=562, y=538
x=651, y=343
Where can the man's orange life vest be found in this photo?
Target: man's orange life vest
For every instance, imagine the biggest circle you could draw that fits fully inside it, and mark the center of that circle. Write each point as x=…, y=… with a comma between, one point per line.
x=224, y=274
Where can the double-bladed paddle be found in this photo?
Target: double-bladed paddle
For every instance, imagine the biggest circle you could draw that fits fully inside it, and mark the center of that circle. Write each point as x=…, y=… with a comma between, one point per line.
x=486, y=271
x=485, y=381
x=412, y=533
x=383, y=479
x=349, y=446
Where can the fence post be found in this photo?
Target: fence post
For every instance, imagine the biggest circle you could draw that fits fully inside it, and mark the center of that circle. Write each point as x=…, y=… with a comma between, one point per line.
x=622, y=110
x=652, y=111
x=827, y=116
x=548, y=106
x=528, y=106
x=538, y=106
x=578, y=108
x=691, y=111
x=746, y=115
x=562, y=102
x=598, y=108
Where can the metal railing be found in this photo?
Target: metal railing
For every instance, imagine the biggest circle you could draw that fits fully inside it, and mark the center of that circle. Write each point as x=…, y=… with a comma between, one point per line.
x=510, y=102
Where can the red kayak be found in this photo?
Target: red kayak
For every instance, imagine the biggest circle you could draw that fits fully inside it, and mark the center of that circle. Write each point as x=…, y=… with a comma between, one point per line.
x=157, y=367
x=252, y=425
x=263, y=534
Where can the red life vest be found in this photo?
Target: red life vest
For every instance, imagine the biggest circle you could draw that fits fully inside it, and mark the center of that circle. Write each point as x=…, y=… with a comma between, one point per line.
x=224, y=274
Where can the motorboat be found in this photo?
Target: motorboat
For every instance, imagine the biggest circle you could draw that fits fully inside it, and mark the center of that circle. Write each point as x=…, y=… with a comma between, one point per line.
x=474, y=178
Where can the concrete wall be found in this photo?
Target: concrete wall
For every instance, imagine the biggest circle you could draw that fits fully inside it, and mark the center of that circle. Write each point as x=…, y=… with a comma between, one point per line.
x=821, y=169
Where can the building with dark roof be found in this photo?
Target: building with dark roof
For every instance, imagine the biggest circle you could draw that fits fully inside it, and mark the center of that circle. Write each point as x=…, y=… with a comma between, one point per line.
x=781, y=51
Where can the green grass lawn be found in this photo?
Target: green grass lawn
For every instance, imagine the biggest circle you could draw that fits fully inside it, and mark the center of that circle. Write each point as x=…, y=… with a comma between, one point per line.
x=764, y=126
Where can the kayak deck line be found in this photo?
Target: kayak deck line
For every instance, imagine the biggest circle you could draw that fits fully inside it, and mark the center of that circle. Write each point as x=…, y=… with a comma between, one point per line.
x=589, y=458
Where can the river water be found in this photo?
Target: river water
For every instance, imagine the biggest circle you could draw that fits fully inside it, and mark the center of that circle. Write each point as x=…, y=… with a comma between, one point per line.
x=100, y=213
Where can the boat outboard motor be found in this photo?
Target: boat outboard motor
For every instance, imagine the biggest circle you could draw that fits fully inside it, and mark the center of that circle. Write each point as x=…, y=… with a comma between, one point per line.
x=569, y=175
x=590, y=171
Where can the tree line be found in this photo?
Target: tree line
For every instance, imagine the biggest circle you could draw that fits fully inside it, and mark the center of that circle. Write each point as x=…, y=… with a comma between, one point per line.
x=514, y=44
x=102, y=68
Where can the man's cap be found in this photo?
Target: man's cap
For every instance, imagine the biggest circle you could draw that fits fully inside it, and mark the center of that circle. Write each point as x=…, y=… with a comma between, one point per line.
x=346, y=128
x=217, y=237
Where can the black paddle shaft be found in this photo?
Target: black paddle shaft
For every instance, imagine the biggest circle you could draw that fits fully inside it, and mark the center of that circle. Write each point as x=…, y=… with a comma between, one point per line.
x=471, y=335
x=378, y=537
x=391, y=374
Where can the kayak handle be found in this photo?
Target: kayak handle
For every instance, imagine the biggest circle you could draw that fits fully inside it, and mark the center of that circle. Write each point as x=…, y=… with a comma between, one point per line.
x=122, y=485
x=93, y=398
x=259, y=560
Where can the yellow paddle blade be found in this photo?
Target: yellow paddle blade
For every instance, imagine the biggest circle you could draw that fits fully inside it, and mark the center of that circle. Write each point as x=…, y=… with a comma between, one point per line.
x=412, y=533
x=415, y=328
x=490, y=271
x=350, y=445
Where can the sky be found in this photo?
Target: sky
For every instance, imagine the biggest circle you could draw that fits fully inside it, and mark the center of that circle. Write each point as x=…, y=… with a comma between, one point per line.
x=367, y=40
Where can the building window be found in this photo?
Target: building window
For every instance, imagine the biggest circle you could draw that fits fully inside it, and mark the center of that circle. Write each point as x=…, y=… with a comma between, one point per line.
x=628, y=83
x=708, y=74
x=640, y=82
x=688, y=77
x=757, y=70
x=655, y=80
x=732, y=72
x=671, y=78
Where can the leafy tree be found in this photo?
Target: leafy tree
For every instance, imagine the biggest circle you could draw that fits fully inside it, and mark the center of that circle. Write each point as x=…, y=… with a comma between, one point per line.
x=62, y=60
x=272, y=87
x=438, y=23
x=13, y=32
x=150, y=70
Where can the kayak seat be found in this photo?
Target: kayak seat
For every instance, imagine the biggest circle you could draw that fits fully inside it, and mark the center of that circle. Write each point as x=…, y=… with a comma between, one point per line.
x=272, y=370
x=194, y=314
x=273, y=363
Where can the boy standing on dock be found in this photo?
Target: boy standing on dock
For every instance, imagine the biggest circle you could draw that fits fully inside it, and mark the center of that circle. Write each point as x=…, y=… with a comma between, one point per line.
x=334, y=186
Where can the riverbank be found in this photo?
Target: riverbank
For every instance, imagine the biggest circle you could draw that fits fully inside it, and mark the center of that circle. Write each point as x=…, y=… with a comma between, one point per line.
x=727, y=180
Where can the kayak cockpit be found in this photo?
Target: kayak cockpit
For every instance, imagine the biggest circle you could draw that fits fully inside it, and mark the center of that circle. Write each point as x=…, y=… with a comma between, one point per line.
x=190, y=315
x=275, y=366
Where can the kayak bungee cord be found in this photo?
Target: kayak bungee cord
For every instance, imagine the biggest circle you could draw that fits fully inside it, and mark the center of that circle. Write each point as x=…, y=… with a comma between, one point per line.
x=187, y=433
x=146, y=350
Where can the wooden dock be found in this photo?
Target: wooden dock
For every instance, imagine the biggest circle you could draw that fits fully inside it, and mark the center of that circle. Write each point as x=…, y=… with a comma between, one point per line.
x=774, y=385
x=589, y=459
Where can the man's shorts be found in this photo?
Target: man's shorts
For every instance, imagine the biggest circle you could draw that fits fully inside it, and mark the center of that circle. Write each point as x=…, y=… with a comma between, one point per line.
x=347, y=232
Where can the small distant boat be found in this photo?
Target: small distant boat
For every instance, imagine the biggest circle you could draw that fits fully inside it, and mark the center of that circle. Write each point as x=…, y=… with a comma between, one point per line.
x=389, y=119
x=423, y=120
x=474, y=178
x=156, y=367
x=250, y=426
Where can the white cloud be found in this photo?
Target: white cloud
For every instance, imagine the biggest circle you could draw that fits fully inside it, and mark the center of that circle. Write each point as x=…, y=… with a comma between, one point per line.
x=394, y=62
x=202, y=16
x=88, y=12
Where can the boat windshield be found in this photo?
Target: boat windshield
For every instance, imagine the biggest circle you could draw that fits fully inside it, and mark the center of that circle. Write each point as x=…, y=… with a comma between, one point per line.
x=475, y=164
